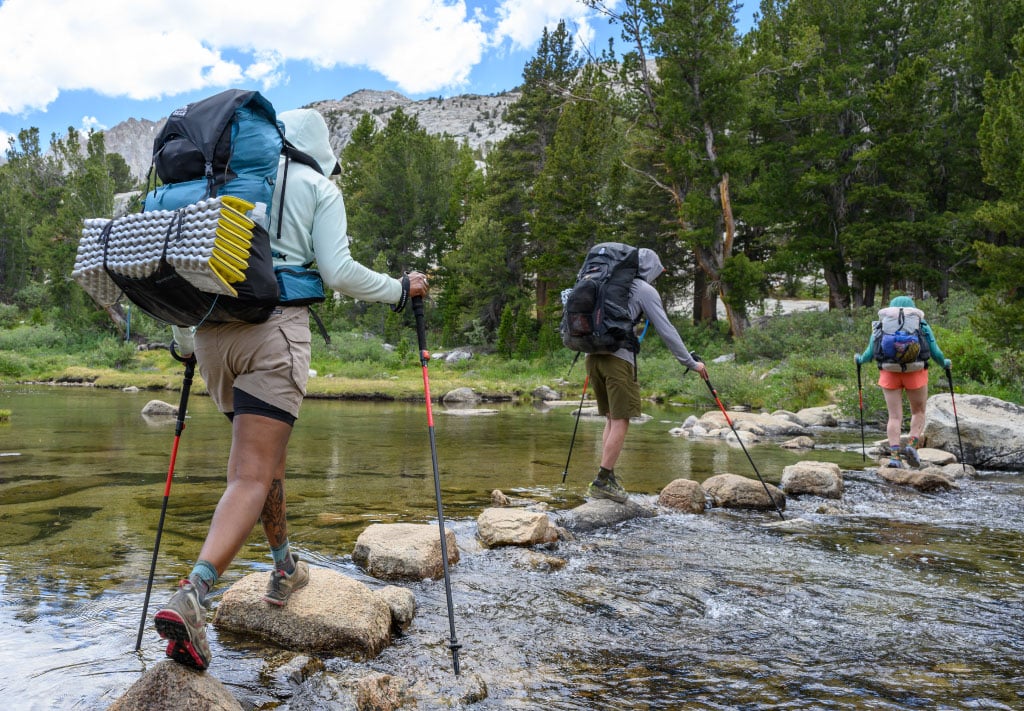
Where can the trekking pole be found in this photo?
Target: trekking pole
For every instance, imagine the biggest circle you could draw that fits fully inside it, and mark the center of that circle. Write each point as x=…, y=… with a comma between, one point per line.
x=714, y=394
x=186, y=386
x=956, y=420
x=421, y=335
x=860, y=398
x=573, y=440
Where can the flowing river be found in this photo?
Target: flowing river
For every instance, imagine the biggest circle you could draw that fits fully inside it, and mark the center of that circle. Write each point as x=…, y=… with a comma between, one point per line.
x=894, y=599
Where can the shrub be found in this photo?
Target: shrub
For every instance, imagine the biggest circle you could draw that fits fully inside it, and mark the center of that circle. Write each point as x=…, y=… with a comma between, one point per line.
x=972, y=356
x=113, y=353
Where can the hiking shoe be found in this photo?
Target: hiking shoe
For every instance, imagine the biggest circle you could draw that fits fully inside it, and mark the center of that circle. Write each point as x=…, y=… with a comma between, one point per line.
x=183, y=622
x=609, y=488
x=912, y=457
x=282, y=585
x=895, y=464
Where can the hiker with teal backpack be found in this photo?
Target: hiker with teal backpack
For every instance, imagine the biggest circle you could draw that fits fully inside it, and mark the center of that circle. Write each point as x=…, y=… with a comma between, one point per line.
x=256, y=374
x=902, y=343
x=611, y=361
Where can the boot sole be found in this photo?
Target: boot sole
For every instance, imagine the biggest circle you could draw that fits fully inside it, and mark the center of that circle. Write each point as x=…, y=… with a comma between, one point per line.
x=180, y=647
x=598, y=494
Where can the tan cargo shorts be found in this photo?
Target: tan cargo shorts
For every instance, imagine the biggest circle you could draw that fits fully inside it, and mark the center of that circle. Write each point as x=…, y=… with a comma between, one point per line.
x=614, y=386
x=268, y=360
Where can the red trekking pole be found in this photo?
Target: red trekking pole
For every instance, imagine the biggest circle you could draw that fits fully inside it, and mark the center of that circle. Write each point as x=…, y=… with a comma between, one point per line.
x=421, y=335
x=714, y=394
x=186, y=386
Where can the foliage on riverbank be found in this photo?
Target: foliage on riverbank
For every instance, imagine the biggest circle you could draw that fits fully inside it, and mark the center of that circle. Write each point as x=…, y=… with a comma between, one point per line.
x=791, y=361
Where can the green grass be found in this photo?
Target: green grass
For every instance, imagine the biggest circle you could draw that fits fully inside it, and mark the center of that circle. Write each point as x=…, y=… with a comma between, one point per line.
x=781, y=362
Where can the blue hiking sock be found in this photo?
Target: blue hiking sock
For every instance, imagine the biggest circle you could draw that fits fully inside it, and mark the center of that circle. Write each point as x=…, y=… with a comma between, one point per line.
x=203, y=577
x=283, y=558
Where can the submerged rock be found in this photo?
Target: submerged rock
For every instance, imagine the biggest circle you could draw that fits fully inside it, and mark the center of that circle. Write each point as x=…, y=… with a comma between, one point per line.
x=600, y=513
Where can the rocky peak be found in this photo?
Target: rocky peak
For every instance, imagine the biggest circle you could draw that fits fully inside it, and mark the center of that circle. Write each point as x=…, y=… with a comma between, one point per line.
x=470, y=118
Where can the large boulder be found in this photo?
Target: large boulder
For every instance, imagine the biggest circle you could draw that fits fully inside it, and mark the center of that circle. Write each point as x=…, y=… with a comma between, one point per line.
x=333, y=614
x=404, y=551
x=461, y=396
x=758, y=424
x=738, y=492
x=825, y=416
x=992, y=430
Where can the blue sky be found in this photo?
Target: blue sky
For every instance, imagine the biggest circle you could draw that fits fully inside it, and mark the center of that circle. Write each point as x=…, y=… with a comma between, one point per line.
x=95, y=63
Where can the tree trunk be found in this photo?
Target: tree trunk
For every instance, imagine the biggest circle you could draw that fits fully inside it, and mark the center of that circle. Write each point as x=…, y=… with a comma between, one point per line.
x=705, y=303
x=737, y=321
x=838, y=289
x=116, y=313
x=542, y=291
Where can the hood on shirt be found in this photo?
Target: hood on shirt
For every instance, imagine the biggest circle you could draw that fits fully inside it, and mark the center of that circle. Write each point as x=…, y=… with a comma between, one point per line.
x=650, y=265
x=307, y=131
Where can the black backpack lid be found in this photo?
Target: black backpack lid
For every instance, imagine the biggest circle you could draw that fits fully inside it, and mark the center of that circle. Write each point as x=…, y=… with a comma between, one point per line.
x=203, y=122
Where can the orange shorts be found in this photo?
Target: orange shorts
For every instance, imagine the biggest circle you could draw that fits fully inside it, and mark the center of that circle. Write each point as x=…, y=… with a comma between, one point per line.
x=891, y=380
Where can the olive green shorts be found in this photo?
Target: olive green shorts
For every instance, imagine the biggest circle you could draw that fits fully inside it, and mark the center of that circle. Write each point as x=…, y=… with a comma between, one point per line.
x=614, y=386
x=269, y=360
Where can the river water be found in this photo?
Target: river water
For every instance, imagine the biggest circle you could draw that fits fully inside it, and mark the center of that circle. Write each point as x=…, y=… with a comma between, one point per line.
x=894, y=600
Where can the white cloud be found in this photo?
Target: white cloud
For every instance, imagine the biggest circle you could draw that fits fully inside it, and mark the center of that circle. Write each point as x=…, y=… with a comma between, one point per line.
x=521, y=22
x=91, y=122
x=142, y=50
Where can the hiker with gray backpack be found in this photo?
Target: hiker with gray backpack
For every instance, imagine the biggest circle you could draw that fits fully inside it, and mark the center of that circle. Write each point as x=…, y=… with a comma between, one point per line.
x=612, y=294
x=902, y=343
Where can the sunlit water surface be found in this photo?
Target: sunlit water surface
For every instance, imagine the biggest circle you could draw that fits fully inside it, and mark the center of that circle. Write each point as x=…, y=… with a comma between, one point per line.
x=901, y=600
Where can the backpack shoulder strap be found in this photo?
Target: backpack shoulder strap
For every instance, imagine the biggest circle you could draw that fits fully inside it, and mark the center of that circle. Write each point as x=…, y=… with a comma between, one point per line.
x=291, y=153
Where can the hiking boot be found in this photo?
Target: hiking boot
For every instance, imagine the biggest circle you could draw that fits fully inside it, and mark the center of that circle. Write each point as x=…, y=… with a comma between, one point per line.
x=607, y=488
x=910, y=452
x=894, y=458
x=282, y=585
x=183, y=622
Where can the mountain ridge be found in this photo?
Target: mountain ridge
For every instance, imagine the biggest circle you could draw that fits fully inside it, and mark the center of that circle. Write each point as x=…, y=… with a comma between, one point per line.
x=475, y=119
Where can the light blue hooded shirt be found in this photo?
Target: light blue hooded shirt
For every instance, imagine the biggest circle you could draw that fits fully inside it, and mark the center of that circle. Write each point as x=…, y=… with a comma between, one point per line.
x=314, y=225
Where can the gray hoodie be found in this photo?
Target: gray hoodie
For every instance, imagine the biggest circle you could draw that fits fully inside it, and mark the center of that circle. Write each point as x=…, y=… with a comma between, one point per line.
x=645, y=299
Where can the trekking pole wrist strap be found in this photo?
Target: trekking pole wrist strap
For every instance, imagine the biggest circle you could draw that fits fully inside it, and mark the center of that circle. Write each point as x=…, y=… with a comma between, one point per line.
x=405, y=295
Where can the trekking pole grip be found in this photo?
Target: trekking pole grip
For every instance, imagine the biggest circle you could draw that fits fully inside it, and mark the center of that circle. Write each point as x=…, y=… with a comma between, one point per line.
x=421, y=329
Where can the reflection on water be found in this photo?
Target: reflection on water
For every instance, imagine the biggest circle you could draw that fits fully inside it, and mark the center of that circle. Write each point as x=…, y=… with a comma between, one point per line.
x=899, y=601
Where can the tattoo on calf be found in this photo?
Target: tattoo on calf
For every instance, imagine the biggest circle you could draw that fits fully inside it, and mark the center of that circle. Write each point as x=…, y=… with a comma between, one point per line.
x=275, y=523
